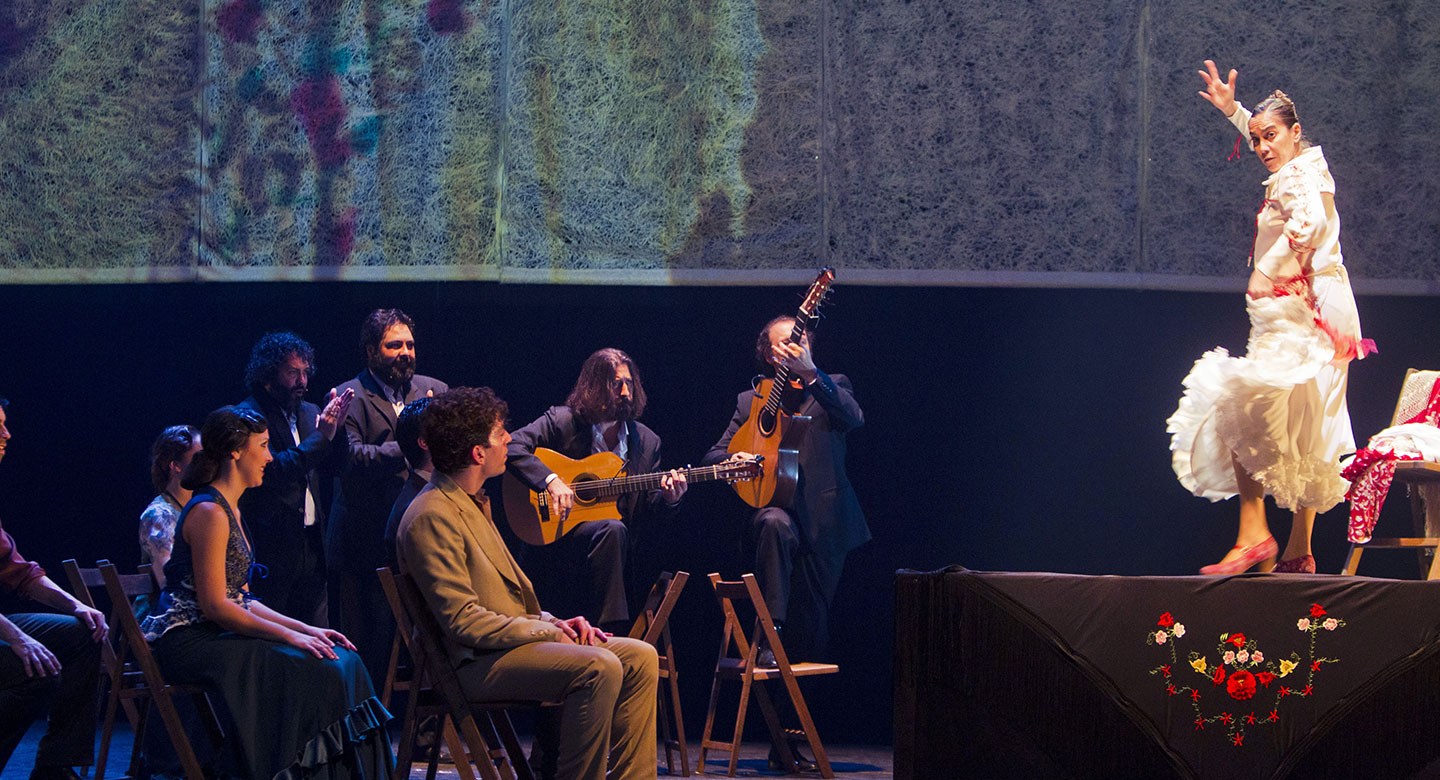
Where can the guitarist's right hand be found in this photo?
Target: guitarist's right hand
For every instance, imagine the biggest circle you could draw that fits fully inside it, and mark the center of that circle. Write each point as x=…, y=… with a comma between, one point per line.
x=740, y=456
x=562, y=498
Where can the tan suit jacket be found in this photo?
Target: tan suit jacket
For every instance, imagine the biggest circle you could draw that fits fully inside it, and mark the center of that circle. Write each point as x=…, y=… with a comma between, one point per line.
x=484, y=602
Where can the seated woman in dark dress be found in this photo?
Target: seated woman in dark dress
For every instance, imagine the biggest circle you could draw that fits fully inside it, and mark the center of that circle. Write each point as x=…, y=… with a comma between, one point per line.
x=301, y=701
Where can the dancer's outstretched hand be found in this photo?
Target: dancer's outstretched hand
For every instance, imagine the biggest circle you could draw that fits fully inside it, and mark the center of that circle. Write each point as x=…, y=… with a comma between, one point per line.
x=1221, y=94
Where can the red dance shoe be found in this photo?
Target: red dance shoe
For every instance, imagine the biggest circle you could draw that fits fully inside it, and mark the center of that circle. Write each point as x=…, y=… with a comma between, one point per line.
x=1305, y=564
x=1249, y=556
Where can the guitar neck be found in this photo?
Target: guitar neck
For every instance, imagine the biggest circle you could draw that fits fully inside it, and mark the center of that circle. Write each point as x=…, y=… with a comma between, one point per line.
x=615, y=486
x=782, y=372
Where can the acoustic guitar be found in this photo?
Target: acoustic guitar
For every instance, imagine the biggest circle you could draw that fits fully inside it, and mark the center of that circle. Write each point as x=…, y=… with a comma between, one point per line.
x=772, y=433
x=598, y=484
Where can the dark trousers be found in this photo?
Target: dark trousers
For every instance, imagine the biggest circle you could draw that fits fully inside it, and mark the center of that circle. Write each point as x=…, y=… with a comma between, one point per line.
x=583, y=573
x=798, y=583
x=360, y=611
x=294, y=580
x=70, y=737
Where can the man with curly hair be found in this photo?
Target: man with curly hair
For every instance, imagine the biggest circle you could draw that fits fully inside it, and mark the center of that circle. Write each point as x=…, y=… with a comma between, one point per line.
x=308, y=444
x=503, y=646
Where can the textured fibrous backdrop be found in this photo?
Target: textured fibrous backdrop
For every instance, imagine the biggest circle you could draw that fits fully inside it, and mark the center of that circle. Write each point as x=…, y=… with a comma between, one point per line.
x=655, y=141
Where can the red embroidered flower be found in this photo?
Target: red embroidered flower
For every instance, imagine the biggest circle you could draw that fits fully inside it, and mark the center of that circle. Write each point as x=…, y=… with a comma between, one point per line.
x=1265, y=678
x=1165, y=621
x=1241, y=685
x=1219, y=676
x=1316, y=610
x=1237, y=639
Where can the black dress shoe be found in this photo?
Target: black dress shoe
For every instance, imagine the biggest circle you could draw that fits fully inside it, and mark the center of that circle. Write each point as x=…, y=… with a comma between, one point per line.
x=765, y=658
x=802, y=762
x=53, y=773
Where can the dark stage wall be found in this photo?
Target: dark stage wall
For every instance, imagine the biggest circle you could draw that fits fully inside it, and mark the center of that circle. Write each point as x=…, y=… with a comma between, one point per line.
x=1005, y=429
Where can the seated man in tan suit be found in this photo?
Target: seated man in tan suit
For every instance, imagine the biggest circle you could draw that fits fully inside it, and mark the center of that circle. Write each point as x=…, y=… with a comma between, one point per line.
x=502, y=645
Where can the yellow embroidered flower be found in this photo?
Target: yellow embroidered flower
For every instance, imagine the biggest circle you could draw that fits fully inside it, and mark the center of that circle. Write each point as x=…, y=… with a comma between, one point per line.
x=1199, y=665
x=1286, y=667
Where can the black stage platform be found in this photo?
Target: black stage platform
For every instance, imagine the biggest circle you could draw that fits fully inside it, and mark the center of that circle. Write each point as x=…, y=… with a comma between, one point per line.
x=1001, y=675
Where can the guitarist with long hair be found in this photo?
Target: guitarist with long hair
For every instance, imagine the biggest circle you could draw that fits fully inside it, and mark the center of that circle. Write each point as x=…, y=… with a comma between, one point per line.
x=600, y=415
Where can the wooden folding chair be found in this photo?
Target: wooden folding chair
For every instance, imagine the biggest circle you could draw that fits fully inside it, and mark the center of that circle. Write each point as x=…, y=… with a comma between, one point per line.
x=136, y=675
x=741, y=667
x=653, y=625
x=81, y=581
x=435, y=690
x=1415, y=394
x=422, y=701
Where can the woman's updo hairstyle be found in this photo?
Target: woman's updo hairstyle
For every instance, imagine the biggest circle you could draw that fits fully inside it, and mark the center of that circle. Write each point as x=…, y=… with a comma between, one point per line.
x=224, y=431
x=1284, y=109
x=171, y=446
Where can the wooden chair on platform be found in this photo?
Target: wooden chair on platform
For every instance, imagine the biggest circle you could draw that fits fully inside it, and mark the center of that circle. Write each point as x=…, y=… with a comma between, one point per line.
x=741, y=667
x=1415, y=393
x=134, y=674
x=470, y=728
x=653, y=625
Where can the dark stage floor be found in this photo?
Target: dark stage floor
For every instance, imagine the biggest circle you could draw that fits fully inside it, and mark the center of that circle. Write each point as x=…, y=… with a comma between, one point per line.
x=853, y=762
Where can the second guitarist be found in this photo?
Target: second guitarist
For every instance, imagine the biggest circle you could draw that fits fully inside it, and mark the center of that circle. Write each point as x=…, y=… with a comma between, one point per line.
x=799, y=549
x=586, y=568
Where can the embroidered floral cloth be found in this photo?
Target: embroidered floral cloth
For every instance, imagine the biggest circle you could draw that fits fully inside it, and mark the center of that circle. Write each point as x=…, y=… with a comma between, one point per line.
x=1253, y=676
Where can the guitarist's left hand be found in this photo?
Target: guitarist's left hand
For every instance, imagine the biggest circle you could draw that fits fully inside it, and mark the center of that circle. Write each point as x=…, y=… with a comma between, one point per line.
x=673, y=486
x=795, y=357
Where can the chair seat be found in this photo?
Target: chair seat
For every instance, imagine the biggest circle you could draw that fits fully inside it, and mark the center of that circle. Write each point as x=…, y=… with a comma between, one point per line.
x=1403, y=541
x=735, y=668
x=1417, y=471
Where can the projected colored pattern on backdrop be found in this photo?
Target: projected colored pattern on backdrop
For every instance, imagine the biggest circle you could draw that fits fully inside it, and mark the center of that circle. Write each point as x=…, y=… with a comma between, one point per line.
x=663, y=141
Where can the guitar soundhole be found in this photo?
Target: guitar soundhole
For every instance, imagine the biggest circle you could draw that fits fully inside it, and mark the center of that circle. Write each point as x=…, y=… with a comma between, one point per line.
x=585, y=495
x=766, y=423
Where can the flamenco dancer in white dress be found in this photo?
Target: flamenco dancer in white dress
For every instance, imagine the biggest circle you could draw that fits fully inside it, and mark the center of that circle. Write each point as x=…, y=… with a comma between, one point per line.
x=1274, y=421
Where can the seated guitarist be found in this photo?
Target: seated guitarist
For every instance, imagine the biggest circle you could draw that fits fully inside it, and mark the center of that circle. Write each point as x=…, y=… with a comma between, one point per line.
x=599, y=416
x=799, y=550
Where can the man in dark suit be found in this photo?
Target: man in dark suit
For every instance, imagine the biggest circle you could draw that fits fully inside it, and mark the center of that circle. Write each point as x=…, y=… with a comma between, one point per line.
x=799, y=550
x=285, y=512
x=417, y=457
x=367, y=489
x=600, y=415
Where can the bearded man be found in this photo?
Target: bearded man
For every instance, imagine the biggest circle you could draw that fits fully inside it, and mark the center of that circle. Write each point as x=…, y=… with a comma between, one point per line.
x=367, y=489
x=585, y=569
x=307, y=444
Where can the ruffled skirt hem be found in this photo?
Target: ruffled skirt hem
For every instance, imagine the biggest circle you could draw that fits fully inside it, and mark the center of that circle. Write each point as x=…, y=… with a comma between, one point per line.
x=1266, y=411
x=359, y=733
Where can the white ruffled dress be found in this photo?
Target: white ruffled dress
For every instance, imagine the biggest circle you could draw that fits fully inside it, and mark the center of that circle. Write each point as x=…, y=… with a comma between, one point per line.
x=1279, y=409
